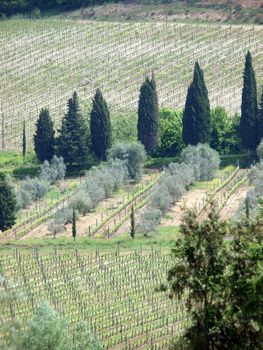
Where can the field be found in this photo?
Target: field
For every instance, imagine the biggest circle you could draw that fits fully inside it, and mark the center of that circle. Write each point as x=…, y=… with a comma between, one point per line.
x=106, y=275
x=44, y=61
x=114, y=293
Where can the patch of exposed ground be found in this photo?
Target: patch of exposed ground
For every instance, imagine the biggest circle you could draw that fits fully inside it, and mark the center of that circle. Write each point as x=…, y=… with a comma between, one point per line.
x=233, y=203
x=191, y=200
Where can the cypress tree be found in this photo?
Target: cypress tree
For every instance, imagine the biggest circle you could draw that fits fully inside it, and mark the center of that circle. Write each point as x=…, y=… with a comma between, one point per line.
x=197, y=116
x=248, y=120
x=8, y=204
x=24, y=140
x=260, y=120
x=132, y=231
x=74, y=228
x=148, y=115
x=44, y=138
x=72, y=142
x=100, y=126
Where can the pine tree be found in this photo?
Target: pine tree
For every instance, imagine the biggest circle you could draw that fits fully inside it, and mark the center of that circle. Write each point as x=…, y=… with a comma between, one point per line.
x=100, y=126
x=248, y=120
x=148, y=115
x=197, y=117
x=72, y=142
x=8, y=204
x=260, y=120
x=24, y=140
x=74, y=228
x=132, y=231
x=44, y=138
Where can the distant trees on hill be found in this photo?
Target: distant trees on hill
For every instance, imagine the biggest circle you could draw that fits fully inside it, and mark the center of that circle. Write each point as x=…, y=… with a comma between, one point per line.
x=10, y=7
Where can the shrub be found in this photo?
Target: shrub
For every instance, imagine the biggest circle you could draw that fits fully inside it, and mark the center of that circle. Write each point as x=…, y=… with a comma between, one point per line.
x=161, y=199
x=203, y=159
x=82, y=203
x=184, y=173
x=170, y=133
x=124, y=128
x=54, y=170
x=134, y=156
x=32, y=190
x=150, y=220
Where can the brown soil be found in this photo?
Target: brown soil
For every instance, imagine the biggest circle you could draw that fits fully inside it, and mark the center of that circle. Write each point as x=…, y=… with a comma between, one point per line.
x=233, y=203
x=191, y=200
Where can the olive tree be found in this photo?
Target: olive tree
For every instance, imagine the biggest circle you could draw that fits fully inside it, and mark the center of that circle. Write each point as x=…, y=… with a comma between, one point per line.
x=134, y=156
x=204, y=160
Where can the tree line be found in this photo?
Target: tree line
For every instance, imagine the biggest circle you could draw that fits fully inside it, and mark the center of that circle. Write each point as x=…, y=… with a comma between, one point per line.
x=79, y=136
x=8, y=7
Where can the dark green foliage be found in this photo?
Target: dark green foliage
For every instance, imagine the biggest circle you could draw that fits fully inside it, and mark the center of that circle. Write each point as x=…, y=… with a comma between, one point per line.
x=196, y=117
x=74, y=227
x=24, y=140
x=132, y=229
x=260, y=119
x=10, y=7
x=148, y=115
x=248, y=121
x=44, y=138
x=224, y=279
x=8, y=204
x=72, y=141
x=100, y=127
x=171, y=142
x=225, y=136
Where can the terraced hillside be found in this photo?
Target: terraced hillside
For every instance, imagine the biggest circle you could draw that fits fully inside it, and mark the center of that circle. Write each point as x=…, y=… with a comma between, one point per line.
x=44, y=61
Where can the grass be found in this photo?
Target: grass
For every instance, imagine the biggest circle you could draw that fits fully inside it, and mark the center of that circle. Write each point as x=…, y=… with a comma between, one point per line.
x=12, y=163
x=164, y=238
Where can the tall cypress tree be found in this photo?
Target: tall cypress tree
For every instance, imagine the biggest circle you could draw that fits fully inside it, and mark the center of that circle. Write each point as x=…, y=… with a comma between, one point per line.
x=72, y=142
x=24, y=140
x=260, y=120
x=74, y=226
x=100, y=126
x=148, y=115
x=248, y=120
x=132, y=220
x=44, y=138
x=8, y=204
x=197, y=116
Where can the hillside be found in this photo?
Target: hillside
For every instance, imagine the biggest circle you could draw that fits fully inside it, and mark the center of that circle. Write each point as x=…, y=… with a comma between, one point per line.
x=44, y=61
x=249, y=11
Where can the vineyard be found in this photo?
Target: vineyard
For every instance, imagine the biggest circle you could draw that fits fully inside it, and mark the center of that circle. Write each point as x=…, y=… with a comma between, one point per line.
x=44, y=61
x=116, y=294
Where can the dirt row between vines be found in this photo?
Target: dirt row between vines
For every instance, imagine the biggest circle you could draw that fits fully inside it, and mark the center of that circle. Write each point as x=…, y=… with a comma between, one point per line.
x=92, y=219
x=194, y=199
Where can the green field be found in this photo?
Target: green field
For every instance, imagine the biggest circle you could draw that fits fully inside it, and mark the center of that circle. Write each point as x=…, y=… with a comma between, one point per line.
x=44, y=61
x=116, y=294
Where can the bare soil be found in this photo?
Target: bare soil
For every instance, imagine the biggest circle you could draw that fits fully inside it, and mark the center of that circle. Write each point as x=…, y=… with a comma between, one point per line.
x=191, y=200
x=233, y=203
